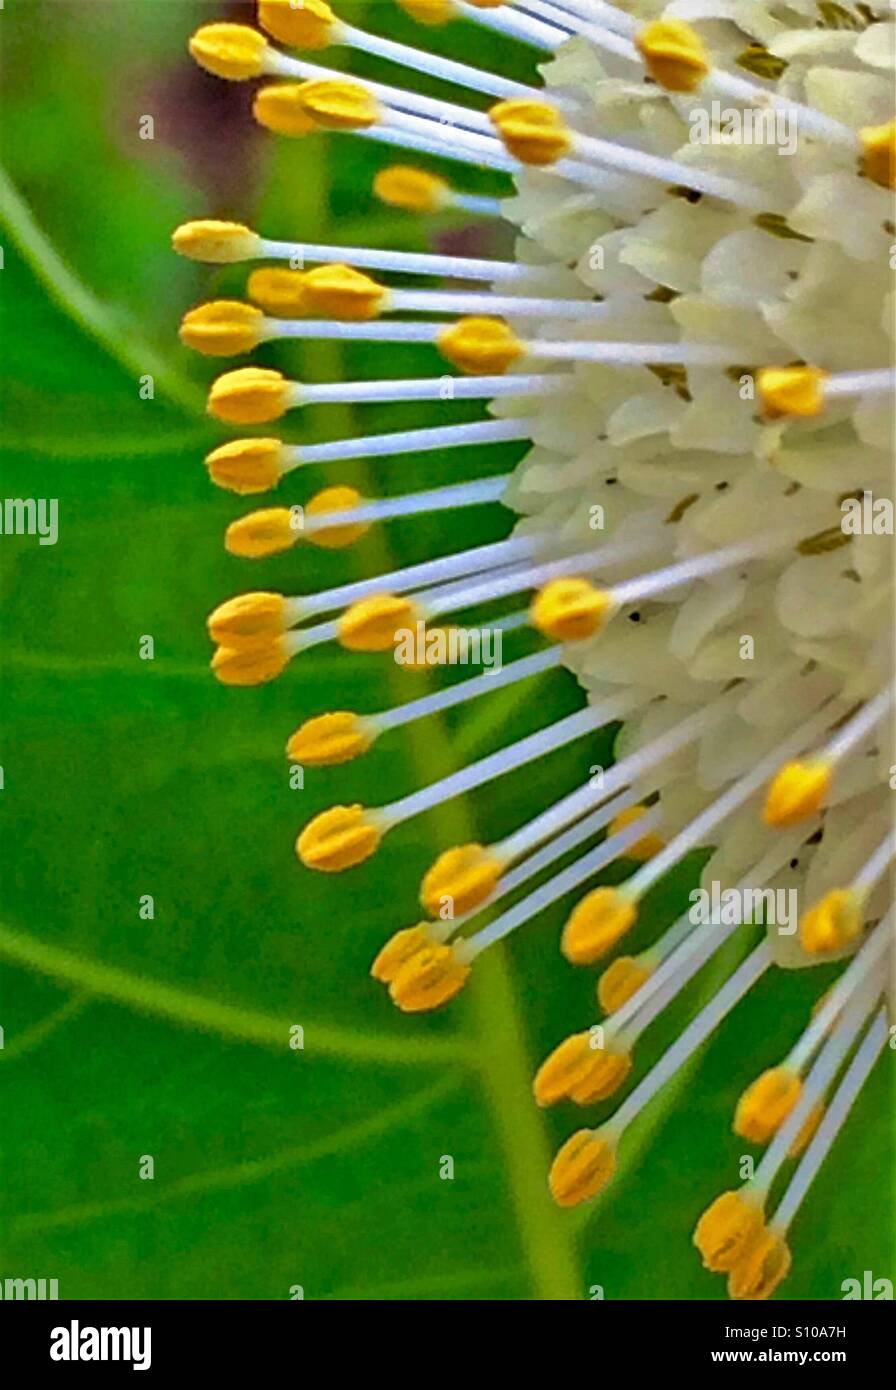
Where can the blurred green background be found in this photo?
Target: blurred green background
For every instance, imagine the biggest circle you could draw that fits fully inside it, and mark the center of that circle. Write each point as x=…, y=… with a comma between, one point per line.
x=125, y=777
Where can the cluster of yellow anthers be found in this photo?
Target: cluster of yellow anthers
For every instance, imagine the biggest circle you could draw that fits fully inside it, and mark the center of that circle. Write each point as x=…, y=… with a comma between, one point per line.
x=259, y=632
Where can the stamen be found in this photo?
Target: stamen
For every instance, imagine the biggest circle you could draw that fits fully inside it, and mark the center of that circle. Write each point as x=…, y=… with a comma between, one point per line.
x=279, y=21
x=417, y=190
x=696, y=1033
x=800, y=788
x=859, y=1070
x=269, y=532
x=614, y=847
x=826, y=1067
x=698, y=832
x=405, y=442
x=868, y=959
x=239, y=243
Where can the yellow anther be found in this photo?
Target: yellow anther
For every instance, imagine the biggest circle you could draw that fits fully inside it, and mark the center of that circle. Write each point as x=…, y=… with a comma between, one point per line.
x=249, y=620
x=246, y=465
x=766, y=1103
x=673, y=54
x=249, y=396
x=833, y=922
x=480, y=346
x=263, y=533
x=341, y=292
x=338, y=104
x=279, y=292
x=222, y=328
x=371, y=624
x=333, y=500
x=330, y=739
x=532, y=131
x=764, y=1265
x=582, y=1168
x=399, y=949
x=429, y=12
x=727, y=1228
x=412, y=190
x=487, y=4
x=429, y=977
x=595, y=925
x=807, y=1129
x=461, y=878
x=251, y=665
x=620, y=981
x=580, y=1071
x=796, y=793
x=230, y=50
x=279, y=108
x=642, y=849
x=879, y=153
x=790, y=391
x=339, y=838
x=309, y=24
x=217, y=243
x=570, y=610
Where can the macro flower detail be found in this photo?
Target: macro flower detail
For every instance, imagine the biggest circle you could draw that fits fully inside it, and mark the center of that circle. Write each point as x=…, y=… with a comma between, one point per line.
x=694, y=345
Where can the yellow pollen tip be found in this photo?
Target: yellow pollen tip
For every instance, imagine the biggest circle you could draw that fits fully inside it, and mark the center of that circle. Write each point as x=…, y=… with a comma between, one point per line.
x=251, y=665
x=338, y=839
x=262, y=533
x=765, y=1264
x=832, y=923
x=216, y=243
x=222, y=328
x=620, y=981
x=463, y=877
x=791, y=391
x=645, y=848
x=331, y=500
x=766, y=1103
x=248, y=620
x=879, y=153
x=578, y=1070
x=246, y=465
x=249, y=396
x=796, y=792
x=807, y=1129
x=372, y=624
x=480, y=346
x=412, y=190
x=229, y=50
x=330, y=739
x=570, y=610
x=673, y=54
x=532, y=131
x=595, y=925
x=341, y=292
x=279, y=108
x=727, y=1228
x=582, y=1168
x=432, y=13
x=277, y=291
x=309, y=25
x=338, y=104
x=399, y=949
x=429, y=978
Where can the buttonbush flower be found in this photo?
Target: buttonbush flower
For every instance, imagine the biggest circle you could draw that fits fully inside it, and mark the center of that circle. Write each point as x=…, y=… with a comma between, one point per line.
x=694, y=337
